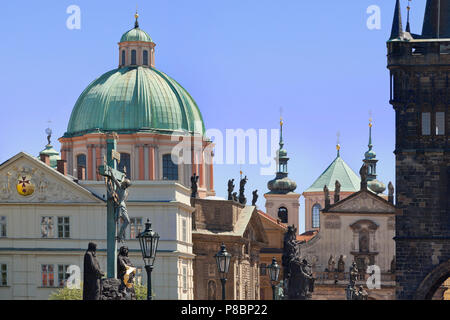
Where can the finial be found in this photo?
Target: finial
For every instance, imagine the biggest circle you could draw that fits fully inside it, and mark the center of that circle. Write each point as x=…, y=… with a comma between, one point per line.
x=136, y=16
x=370, y=130
x=48, y=131
x=408, y=26
x=281, y=133
x=338, y=146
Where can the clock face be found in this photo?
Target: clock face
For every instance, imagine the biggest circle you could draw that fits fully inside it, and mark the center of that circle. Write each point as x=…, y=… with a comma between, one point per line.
x=24, y=185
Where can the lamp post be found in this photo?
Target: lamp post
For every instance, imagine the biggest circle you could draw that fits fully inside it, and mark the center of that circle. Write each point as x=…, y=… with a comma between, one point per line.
x=223, y=259
x=148, y=240
x=274, y=273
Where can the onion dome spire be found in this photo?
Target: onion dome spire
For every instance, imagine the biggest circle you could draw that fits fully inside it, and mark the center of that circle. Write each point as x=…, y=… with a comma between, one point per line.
x=370, y=159
x=282, y=184
x=397, y=26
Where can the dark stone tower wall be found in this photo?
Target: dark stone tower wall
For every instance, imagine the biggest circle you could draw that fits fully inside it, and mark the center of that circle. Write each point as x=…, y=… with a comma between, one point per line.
x=420, y=75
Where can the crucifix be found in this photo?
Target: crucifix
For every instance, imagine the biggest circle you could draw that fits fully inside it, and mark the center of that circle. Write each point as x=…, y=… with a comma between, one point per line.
x=116, y=183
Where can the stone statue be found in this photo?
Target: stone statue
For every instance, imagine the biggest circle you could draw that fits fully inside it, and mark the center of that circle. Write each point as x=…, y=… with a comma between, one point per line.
x=255, y=197
x=279, y=291
x=337, y=191
x=194, y=185
x=391, y=193
x=341, y=264
x=126, y=273
x=120, y=195
x=327, y=196
x=297, y=272
x=354, y=274
x=351, y=291
x=362, y=294
x=242, y=199
x=91, y=274
x=230, y=189
x=364, y=172
x=331, y=264
x=235, y=197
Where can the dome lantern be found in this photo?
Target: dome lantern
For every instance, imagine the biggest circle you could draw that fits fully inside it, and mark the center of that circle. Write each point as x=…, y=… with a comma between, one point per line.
x=136, y=47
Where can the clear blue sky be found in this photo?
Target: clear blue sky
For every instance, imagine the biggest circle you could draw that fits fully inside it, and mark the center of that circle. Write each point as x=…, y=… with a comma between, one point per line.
x=241, y=60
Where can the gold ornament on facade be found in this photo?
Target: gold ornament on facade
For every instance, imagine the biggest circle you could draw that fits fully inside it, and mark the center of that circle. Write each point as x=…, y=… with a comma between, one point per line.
x=24, y=184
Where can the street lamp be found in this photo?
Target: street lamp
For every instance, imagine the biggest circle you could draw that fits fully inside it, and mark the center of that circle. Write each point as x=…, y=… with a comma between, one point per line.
x=148, y=240
x=274, y=273
x=223, y=259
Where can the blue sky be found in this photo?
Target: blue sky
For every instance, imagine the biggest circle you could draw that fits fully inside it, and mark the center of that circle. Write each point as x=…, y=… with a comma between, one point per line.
x=241, y=60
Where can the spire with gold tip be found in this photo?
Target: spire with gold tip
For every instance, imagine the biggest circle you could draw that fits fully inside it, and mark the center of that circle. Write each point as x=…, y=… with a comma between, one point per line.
x=136, y=23
x=370, y=159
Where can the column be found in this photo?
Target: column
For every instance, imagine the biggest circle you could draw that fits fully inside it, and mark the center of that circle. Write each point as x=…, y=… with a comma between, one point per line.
x=146, y=165
x=151, y=163
x=201, y=170
x=89, y=162
x=99, y=161
x=141, y=163
x=211, y=177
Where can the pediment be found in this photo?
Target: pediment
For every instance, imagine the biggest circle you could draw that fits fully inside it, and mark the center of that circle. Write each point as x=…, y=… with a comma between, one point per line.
x=255, y=227
x=362, y=202
x=25, y=179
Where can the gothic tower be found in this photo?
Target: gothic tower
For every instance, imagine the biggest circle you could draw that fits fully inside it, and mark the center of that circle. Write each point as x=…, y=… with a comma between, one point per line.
x=419, y=73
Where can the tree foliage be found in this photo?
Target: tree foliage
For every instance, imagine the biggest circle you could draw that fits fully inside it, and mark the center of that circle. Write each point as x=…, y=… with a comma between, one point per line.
x=77, y=294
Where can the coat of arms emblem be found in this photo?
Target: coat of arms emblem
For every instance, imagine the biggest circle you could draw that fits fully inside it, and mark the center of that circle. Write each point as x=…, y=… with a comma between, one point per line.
x=24, y=185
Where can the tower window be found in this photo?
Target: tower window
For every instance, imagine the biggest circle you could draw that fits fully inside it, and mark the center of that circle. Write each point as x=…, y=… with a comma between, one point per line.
x=133, y=57
x=283, y=214
x=123, y=57
x=316, y=215
x=426, y=124
x=125, y=164
x=440, y=123
x=81, y=163
x=170, y=169
x=145, y=58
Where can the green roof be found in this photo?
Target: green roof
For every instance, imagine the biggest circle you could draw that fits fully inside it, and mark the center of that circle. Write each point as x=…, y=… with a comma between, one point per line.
x=136, y=34
x=338, y=170
x=52, y=154
x=135, y=99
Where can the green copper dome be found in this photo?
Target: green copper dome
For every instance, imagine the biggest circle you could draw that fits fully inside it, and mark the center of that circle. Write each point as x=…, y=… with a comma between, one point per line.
x=136, y=34
x=135, y=99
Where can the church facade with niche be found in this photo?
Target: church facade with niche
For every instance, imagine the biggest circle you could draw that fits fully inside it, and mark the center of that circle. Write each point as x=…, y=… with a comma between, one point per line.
x=359, y=228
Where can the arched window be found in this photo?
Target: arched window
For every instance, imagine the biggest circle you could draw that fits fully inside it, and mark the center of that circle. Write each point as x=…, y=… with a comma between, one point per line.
x=145, y=58
x=283, y=214
x=316, y=215
x=81, y=164
x=133, y=57
x=170, y=169
x=125, y=164
x=123, y=57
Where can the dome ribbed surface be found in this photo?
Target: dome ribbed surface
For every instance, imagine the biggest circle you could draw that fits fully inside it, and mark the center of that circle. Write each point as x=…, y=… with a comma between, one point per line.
x=136, y=34
x=135, y=99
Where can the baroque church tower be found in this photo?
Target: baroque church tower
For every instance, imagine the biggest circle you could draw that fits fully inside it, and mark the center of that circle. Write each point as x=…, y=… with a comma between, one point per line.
x=282, y=202
x=420, y=73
